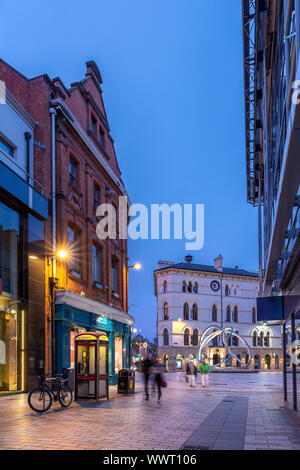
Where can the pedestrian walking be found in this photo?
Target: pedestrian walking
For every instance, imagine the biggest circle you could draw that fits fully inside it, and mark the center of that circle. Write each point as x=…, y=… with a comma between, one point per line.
x=187, y=372
x=146, y=368
x=157, y=371
x=193, y=375
x=204, y=371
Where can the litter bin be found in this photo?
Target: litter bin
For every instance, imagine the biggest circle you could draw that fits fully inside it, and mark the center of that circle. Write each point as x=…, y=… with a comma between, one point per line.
x=68, y=373
x=126, y=381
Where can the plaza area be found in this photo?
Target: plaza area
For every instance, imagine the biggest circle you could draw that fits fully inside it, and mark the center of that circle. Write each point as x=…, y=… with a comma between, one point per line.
x=237, y=411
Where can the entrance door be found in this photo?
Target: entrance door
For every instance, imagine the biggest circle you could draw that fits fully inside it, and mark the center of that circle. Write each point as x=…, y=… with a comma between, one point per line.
x=86, y=370
x=103, y=370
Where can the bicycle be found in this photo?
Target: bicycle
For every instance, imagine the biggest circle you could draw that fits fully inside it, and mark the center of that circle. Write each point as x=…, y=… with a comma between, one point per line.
x=41, y=398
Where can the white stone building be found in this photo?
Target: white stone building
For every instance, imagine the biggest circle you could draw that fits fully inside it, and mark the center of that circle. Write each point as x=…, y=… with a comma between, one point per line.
x=191, y=297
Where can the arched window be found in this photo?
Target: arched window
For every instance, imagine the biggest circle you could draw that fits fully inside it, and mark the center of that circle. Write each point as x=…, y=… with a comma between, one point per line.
x=267, y=362
x=257, y=361
x=166, y=311
x=165, y=286
x=227, y=290
x=195, y=312
x=214, y=341
x=184, y=286
x=261, y=339
x=166, y=337
x=267, y=340
x=235, y=340
x=255, y=338
x=186, y=311
x=253, y=315
x=195, y=338
x=214, y=313
x=235, y=316
x=186, y=338
x=190, y=286
x=228, y=362
x=228, y=313
x=179, y=361
x=195, y=288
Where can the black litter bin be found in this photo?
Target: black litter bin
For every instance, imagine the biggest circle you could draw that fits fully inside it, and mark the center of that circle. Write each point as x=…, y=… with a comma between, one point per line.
x=68, y=373
x=126, y=381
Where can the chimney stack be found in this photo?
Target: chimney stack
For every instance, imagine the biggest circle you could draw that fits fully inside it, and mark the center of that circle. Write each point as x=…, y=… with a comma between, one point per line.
x=164, y=264
x=218, y=263
x=188, y=259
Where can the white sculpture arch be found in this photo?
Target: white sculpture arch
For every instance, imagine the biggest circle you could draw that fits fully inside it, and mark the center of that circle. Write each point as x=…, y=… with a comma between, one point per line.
x=213, y=332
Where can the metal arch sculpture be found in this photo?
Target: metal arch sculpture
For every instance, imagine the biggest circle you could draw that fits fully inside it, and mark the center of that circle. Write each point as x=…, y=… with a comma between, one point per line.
x=226, y=333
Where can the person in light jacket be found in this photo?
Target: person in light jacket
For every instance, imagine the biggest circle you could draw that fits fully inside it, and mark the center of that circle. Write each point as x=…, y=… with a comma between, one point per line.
x=193, y=375
x=204, y=370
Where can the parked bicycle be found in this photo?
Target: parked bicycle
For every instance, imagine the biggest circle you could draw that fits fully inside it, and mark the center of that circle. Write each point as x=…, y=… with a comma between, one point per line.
x=51, y=389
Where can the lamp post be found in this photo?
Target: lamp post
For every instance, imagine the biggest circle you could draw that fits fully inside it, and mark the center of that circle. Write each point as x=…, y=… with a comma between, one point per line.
x=135, y=330
x=61, y=254
x=133, y=266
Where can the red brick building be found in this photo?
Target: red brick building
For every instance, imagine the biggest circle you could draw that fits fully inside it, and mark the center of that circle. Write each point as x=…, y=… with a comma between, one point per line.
x=91, y=283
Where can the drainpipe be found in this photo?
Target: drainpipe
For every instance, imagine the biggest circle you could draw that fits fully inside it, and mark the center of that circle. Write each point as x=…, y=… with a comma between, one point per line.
x=52, y=281
x=27, y=138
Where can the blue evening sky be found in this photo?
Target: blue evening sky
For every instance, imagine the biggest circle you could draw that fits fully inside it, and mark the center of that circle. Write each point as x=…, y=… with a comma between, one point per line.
x=173, y=89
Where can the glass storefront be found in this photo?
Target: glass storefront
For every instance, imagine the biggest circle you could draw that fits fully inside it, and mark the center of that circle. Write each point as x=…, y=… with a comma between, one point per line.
x=11, y=315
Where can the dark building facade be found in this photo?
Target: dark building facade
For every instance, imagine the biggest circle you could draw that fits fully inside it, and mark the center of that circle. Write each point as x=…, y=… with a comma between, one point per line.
x=272, y=118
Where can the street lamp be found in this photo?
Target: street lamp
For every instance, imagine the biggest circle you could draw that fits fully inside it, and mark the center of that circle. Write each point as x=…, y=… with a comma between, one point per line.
x=135, y=266
x=62, y=253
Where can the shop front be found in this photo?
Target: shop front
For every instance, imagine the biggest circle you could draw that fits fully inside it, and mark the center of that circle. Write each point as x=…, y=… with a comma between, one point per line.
x=21, y=297
x=75, y=314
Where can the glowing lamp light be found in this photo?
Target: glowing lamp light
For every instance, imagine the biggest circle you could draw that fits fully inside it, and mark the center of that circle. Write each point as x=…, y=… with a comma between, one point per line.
x=62, y=254
x=137, y=266
x=32, y=257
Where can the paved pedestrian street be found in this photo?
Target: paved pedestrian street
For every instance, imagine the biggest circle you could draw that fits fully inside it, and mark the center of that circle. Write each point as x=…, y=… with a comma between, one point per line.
x=237, y=411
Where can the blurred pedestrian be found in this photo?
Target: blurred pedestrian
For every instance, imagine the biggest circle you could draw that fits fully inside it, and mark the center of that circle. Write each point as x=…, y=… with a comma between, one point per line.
x=193, y=375
x=157, y=371
x=204, y=371
x=187, y=372
x=146, y=368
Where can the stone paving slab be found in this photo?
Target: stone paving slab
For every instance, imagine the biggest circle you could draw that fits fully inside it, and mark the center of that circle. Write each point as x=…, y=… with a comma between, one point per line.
x=224, y=427
x=127, y=422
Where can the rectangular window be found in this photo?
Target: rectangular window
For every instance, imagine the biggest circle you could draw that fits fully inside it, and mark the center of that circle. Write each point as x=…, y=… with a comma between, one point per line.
x=96, y=264
x=93, y=125
x=74, y=262
x=101, y=137
x=6, y=147
x=114, y=275
x=96, y=197
x=73, y=172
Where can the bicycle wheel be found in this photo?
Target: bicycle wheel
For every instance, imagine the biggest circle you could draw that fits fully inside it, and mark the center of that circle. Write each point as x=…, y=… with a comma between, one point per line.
x=65, y=396
x=39, y=400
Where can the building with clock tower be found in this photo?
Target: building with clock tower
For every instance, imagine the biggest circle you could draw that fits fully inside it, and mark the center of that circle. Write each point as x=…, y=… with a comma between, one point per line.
x=191, y=297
